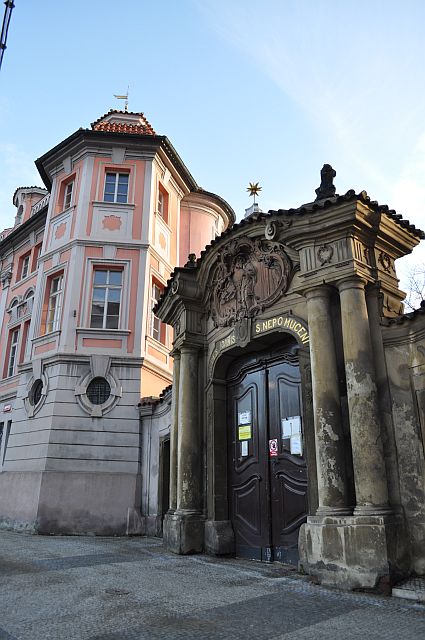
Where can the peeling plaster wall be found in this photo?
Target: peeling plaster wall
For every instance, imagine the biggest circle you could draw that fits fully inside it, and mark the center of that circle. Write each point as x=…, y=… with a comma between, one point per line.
x=405, y=359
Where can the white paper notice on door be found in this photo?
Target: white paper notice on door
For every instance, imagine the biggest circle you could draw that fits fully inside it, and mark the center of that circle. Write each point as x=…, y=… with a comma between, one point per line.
x=244, y=417
x=296, y=445
x=286, y=428
x=244, y=448
x=291, y=426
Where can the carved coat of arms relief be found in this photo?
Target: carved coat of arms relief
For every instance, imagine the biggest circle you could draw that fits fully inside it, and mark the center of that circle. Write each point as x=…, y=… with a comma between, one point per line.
x=249, y=276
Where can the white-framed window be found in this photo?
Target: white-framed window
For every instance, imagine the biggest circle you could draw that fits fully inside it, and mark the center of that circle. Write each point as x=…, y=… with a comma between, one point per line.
x=67, y=197
x=14, y=339
x=162, y=203
x=25, y=340
x=13, y=310
x=157, y=329
x=106, y=298
x=116, y=187
x=54, y=307
x=25, y=266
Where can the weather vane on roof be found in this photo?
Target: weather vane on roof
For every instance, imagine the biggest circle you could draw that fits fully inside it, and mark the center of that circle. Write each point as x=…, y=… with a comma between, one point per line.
x=123, y=97
x=254, y=189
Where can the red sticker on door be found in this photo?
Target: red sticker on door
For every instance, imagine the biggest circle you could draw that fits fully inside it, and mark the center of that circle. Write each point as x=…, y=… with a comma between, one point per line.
x=273, y=448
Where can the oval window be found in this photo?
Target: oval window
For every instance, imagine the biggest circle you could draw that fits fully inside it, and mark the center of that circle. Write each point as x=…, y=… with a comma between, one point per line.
x=36, y=392
x=98, y=391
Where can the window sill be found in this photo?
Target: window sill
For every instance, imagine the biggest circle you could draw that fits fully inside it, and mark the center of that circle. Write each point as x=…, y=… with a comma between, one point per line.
x=113, y=205
x=10, y=378
x=27, y=278
x=158, y=345
x=17, y=321
x=64, y=211
x=113, y=332
x=46, y=337
x=159, y=217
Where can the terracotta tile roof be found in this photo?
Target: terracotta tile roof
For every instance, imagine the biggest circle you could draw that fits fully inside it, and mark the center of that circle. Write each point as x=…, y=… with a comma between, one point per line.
x=142, y=128
x=153, y=401
x=351, y=195
x=121, y=127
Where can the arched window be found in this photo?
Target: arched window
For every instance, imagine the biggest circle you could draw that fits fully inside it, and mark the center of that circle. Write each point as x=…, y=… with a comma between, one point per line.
x=29, y=294
x=19, y=213
x=27, y=302
x=13, y=305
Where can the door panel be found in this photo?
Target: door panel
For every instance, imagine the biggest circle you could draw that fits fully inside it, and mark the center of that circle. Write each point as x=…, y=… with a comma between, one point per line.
x=247, y=499
x=248, y=469
x=268, y=496
x=288, y=476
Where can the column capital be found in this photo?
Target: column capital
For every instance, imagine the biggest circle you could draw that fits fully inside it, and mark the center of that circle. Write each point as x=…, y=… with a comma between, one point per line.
x=321, y=291
x=175, y=354
x=353, y=282
x=189, y=348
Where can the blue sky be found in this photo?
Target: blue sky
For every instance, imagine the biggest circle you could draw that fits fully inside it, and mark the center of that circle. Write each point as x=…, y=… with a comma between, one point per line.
x=245, y=90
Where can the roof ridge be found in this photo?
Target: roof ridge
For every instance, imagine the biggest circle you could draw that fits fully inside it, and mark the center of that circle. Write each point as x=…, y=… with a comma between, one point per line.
x=301, y=210
x=153, y=401
x=146, y=124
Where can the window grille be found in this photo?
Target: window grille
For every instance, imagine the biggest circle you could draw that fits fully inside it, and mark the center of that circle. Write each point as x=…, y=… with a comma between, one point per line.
x=98, y=391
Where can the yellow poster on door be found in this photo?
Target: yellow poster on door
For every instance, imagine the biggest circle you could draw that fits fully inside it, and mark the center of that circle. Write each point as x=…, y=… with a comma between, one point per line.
x=245, y=432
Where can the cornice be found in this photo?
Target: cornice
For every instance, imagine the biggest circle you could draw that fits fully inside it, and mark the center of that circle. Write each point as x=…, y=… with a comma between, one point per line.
x=21, y=232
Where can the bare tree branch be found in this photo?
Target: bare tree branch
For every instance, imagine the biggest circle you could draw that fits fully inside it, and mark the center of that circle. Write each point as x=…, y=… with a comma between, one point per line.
x=416, y=287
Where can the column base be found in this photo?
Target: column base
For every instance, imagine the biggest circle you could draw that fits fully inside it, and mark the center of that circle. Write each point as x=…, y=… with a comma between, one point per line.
x=355, y=552
x=135, y=525
x=152, y=526
x=219, y=537
x=184, y=532
x=334, y=511
x=373, y=510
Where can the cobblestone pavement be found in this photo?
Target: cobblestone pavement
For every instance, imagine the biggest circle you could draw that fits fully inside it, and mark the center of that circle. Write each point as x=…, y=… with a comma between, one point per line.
x=86, y=588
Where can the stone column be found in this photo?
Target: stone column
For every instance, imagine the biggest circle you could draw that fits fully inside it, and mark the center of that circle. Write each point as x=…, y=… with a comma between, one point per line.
x=189, y=435
x=174, y=432
x=384, y=396
x=184, y=528
x=326, y=405
x=368, y=458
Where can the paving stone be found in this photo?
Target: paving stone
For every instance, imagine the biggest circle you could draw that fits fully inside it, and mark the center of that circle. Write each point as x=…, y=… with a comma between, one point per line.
x=6, y=636
x=411, y=589
x=85, y=588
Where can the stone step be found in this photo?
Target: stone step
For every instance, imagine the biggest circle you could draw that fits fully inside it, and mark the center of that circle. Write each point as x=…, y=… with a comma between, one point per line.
x=411, y=589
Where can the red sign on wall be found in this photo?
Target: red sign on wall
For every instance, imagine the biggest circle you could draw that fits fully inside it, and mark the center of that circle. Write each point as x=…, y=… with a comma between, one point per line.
x=273, y=448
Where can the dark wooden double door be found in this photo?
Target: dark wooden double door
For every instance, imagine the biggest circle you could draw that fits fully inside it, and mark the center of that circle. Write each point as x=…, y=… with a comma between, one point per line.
x=267, y=469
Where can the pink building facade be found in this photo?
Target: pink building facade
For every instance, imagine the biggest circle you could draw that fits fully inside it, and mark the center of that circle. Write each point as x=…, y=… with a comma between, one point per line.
x=86, y=260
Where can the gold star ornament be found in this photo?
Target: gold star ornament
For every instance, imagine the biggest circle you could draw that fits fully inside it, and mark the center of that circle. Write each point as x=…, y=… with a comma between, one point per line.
x=254, y=189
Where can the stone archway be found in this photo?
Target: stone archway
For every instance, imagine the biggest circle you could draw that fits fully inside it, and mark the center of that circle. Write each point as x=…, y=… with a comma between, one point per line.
x=219, y=530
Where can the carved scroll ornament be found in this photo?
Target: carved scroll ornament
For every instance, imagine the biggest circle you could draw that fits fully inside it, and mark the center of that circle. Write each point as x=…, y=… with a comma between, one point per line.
x=250, y=276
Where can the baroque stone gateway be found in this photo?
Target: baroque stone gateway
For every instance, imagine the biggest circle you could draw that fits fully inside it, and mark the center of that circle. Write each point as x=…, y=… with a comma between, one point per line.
x=294, y=427
x=297, y=409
